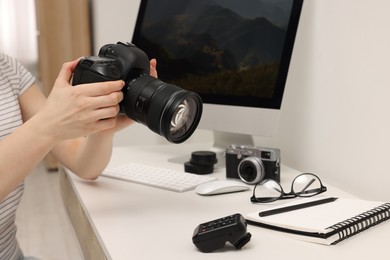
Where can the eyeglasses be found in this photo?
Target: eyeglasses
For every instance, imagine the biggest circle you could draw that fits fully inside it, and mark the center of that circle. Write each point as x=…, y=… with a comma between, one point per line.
x=304, y=185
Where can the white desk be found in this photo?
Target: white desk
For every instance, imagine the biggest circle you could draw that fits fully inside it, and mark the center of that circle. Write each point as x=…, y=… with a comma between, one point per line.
x=122, y=220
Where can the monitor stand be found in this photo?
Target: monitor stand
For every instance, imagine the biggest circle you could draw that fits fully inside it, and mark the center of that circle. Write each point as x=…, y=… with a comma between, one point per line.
x=222, y=140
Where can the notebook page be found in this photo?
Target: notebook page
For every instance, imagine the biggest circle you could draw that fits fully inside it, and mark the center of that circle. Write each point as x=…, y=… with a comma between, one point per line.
x=317, y=218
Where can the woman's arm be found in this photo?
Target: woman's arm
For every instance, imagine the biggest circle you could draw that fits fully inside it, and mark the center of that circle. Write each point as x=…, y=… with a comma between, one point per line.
x=68, y=113
x=86, y=156
x=76, y=123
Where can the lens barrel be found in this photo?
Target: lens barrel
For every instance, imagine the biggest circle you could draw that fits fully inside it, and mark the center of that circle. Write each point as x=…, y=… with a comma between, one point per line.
x=251, y=170
x=166, y=109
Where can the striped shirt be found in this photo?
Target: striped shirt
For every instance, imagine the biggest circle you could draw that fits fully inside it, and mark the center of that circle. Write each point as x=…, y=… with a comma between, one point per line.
x=14, y=80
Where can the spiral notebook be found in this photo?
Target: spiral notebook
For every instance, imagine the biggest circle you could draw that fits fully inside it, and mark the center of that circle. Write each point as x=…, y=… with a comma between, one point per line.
x=328, y=223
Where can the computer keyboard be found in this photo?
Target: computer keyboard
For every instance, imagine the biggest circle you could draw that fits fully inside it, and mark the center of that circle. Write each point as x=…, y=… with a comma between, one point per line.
x=163, y=178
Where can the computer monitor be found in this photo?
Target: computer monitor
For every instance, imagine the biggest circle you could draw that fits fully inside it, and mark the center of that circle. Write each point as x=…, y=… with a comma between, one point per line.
x=234, y=53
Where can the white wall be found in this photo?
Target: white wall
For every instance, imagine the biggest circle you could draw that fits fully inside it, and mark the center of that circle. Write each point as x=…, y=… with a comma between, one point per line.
x=335, y=119
x=18, y=32
x=114, y=21
x=335, y=111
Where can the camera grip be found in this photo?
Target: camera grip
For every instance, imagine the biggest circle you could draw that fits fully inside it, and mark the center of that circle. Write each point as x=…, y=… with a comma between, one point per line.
x=232, y=166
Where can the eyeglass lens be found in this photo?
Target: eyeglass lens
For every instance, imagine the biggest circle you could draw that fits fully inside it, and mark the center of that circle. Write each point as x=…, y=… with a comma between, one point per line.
x=268, y=191
x=306, y=185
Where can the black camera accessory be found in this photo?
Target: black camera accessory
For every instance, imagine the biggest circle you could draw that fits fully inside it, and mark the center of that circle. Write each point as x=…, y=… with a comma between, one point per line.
x=213, y=235
x=201, y=162
x=166, y=109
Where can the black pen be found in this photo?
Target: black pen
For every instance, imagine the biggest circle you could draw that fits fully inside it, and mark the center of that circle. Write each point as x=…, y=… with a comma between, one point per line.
x=295, y=207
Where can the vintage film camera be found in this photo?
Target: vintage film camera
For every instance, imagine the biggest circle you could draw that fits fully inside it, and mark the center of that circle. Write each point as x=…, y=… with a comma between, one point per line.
x=166, y=109
x=252, y=164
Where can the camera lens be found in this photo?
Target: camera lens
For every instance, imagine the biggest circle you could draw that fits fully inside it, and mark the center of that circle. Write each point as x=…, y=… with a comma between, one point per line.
x=166, y=109
x=251, y=170
x=183, y=119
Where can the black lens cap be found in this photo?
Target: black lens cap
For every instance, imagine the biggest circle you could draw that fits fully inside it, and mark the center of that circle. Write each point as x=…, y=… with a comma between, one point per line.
x=201, y=162
x=204, y=158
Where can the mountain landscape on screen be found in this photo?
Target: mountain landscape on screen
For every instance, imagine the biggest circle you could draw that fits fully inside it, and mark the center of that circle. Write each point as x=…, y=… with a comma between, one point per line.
x=209, y=45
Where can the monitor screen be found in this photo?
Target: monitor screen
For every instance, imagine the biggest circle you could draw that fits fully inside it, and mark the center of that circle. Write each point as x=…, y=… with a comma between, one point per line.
x=234, y=53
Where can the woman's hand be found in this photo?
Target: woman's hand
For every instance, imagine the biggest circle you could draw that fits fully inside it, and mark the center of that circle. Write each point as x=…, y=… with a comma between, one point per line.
x=153, y=68
x=75, y=111
x=122, y=120
x=86, y=108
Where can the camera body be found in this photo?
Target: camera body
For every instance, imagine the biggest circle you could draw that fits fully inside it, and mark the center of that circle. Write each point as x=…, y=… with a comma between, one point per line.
x=252, y=164
x=115, y=62
x=166, y=109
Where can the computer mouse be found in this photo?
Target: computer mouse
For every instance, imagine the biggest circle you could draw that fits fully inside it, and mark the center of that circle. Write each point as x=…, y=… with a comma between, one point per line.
x=220, y=187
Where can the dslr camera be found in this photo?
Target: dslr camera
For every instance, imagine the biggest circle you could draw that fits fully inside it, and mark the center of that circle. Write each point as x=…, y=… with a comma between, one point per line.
x=252, y=164
x=166, y=109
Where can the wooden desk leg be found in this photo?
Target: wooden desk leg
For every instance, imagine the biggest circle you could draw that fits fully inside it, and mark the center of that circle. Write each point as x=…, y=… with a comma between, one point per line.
x=86, y=236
